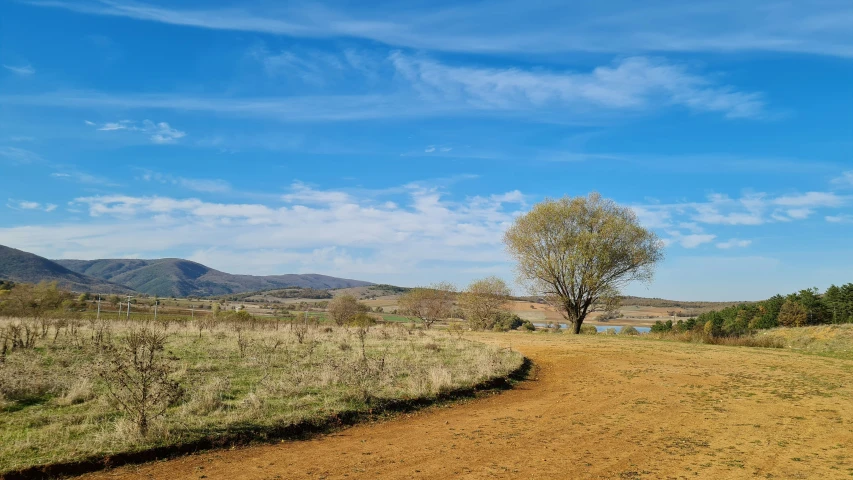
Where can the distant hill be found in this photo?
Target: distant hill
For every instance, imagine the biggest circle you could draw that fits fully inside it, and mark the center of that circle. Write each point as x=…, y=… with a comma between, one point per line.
x=20, y=266
x=174, y=277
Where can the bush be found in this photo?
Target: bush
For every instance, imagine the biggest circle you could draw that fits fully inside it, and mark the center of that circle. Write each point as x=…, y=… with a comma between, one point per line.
x=506, y=322
x=589, y=330
x=527, y=325
x=137, y=377
x=629, y=330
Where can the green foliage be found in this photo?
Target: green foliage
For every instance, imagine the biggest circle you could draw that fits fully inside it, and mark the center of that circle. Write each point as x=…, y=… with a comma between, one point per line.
x=589, y=330
x=793, y=314
x=629, y=330
x=578, y=252
x=507, y=321
x=661, y=327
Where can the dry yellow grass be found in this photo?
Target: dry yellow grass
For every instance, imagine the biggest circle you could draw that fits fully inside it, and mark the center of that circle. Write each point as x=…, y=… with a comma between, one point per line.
x=598, y=407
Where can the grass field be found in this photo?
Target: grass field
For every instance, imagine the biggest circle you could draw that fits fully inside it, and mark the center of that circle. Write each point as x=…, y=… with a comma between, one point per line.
x=236, y=377
x=597, y=406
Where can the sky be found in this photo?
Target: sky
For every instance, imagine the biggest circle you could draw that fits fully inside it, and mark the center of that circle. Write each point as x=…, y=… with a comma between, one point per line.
x=395, y=141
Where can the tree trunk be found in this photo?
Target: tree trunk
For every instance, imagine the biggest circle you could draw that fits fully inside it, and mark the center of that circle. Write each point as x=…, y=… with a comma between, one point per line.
x=577, y=327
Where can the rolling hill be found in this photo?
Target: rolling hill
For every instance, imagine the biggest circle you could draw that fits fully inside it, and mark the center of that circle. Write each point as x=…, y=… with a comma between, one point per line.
x=175, y=277
x=20, y=266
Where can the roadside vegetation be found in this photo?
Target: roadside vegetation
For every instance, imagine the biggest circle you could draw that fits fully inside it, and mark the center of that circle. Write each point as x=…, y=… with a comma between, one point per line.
x=747, y=324
x=73, y=386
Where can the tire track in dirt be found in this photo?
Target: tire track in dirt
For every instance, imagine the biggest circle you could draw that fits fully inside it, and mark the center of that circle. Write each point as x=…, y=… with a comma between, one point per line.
x=597, y=408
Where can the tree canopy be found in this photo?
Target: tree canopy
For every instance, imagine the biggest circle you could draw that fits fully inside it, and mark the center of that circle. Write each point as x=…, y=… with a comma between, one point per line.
x=579, y=252
x=483, y=301
x=429, y=304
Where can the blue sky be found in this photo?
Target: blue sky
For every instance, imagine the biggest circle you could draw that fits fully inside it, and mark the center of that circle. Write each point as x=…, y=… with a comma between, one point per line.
x=394, y=142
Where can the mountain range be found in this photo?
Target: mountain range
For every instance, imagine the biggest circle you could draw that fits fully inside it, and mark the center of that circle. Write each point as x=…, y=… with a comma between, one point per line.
x=165, y=277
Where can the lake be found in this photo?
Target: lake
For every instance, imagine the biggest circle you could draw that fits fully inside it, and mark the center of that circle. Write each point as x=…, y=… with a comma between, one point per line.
x=600, y=328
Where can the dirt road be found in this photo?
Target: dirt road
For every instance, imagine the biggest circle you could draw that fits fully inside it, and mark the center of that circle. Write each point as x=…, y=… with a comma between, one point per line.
x=599, y=407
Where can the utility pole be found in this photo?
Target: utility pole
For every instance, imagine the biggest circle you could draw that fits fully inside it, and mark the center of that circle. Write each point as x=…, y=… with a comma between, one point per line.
x=156, y=302
x=128, y=307
x=119, y=309
x=98, y=316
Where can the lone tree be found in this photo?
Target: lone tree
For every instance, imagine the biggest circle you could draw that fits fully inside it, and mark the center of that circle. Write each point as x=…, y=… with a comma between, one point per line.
x=484, y=301
x=578, y=253
x=344, y=308
x=429, y=304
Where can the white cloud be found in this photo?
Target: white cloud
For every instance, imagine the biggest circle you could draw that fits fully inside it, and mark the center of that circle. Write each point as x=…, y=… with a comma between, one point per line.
x=428, y=88
x=23, y=70
x=799, y=213
x=843, y=218
x=303, y=194
x=691, y=240
x=194, y=184
x=734, y=243
x=551, y=26
x=429, y=149
x=811, y=199
x=634, y=83
x=19, y=155
x=751, y=209
x=82, y=177
x=159, y=133
x=319, y=230
x=845, y=180
x=28, y=205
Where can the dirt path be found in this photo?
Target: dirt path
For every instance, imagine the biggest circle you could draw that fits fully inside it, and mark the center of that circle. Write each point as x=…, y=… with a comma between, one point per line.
x=599, y=408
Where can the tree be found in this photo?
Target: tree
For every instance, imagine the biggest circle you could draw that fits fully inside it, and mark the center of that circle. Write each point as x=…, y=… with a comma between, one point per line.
x=793, y=314
x=483, y=302
x=579, y=252
x=343, y=309
x=429, y=304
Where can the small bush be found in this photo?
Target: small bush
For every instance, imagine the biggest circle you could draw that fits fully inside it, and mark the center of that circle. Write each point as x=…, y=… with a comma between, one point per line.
x=629, y=330
x=588, y=330
x=506, y=322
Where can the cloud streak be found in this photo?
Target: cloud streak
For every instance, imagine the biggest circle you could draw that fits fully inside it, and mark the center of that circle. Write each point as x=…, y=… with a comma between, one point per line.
x=428, y=88
x=159, y=133
x=21, y=71
x=517, y=27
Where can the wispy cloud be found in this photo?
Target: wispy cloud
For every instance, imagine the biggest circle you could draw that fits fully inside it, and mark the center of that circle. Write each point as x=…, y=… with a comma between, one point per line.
x=750, y=209
x=734, y=243
x=634, y=83
x=845, y=180
x=509, y=26
x=195, y=184
x=160, y=132
x=842, y=218
x=22, y=70
x=428, y=88
x=19, y=155
x=28, y=205
x=73, y=175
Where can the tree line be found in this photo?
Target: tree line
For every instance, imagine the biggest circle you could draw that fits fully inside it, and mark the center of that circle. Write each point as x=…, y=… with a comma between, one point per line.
x=799, y=309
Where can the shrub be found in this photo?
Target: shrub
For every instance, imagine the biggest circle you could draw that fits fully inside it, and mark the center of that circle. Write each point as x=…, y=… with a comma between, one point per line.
x=589, y=330
x=137, y=377
x=629, y=330
x=506, y=322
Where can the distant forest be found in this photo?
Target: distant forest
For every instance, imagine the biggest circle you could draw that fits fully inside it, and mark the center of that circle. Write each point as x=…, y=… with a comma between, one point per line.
x=806, y=307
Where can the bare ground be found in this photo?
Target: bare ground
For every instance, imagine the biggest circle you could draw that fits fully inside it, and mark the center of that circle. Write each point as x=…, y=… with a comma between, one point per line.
x=597, y=407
